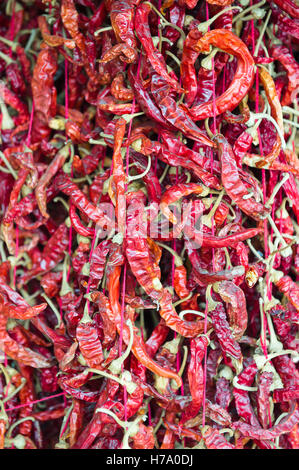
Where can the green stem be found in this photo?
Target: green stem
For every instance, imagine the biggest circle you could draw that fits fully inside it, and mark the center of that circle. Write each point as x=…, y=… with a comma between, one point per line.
x=54, y=309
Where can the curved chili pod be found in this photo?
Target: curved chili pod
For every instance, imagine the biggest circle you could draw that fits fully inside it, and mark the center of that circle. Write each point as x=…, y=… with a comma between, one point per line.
x=276, y=112
x=283, y=54
x=78, y=198
x=188, y=72
x=288, y=6
x=241, y=396
x=20, y=312
x=242, y=81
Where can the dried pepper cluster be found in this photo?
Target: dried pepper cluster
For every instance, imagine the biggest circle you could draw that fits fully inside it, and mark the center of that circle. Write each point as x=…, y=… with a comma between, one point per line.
x=149, y=224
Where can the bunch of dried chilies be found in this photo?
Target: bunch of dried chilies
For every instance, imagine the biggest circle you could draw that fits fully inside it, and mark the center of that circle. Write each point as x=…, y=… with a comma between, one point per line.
x=149, y=224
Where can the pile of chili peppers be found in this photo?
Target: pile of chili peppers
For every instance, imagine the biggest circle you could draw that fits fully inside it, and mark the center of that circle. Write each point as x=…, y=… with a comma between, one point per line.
x=149, y=224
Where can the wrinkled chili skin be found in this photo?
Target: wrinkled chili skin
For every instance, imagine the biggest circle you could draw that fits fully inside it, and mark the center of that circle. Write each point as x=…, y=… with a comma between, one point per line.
x=243, y=78
x=284, y=426
x=18, y=352
x=242, y=399
x=145, y=101
x=89, y=344
x=188, y=73
x=44, y=93
x=149, y=263
x=289, y=7
x=143, y=32
x=229, y=346
x=237, y=311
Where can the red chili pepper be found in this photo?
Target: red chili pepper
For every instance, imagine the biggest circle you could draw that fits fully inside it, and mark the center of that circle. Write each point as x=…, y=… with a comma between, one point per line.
x=228, y=345
x=69, y=16
x=289, y=7
x=145, y=101
x=173, y=321
x=143, y=33
x=154, y=209
x=243, y=79
x=289, y=394
x=180, y=282
x=265, y=382
x=242, y=399
x=174, y=159
x=223, y=393
x=233, y=184
x=188, y=72
x=53, y=253
x=79, y=200
x=89, y=342
x=138, y=254
x=235, y=298
x=17, y=352
x=179, y=118
x=214, y=440
x=122, y=14
x=284, y=56
x=138, y=347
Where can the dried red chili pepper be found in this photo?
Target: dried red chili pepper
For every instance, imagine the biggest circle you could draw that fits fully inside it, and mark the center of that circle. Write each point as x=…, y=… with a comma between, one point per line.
x=290, y=289
x=284, y=426
x=214, y=440
x=289, y=394
x=19, y=353
x=283, y=54
x=289, y=7
x=143, y=33
x=228, y=345
x=122, y=14
x=241, y=396
x=115, y=293
x=198, y=347
x=138, y=347
x=69, y=16
x=89, y=342
x=188, y=73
